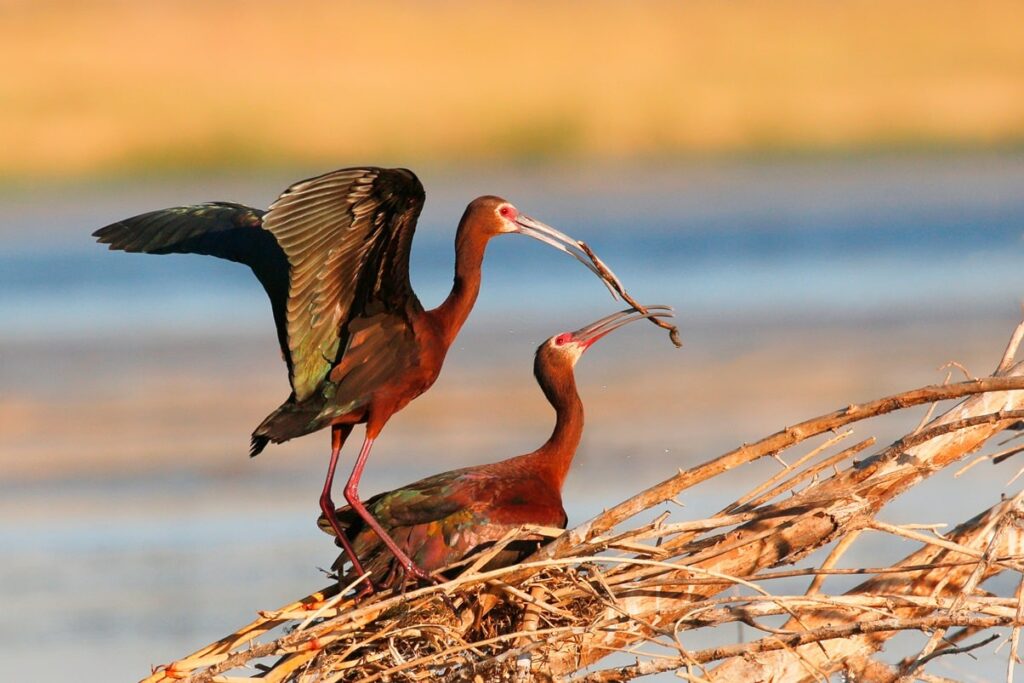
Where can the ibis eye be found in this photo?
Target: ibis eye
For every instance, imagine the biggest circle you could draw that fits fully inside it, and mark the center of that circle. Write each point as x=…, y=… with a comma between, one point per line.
x=505, y=211
x=562, y=339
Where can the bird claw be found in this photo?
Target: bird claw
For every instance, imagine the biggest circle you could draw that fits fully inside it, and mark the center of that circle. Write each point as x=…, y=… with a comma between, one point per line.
x=449, y=603
x=412, y=571
x=366, y=589
x=421, y=575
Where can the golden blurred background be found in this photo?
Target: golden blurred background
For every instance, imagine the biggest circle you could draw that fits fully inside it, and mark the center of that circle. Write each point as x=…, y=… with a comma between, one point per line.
x=112, y=86
x=829, y=193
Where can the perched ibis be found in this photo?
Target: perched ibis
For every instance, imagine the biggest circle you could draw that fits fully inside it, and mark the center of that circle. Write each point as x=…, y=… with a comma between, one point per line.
x=332, y=253
x=438, y=520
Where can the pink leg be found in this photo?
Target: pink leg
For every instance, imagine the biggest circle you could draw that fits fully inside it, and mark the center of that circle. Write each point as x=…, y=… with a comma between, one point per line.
x=338, y=435
x=352, y=496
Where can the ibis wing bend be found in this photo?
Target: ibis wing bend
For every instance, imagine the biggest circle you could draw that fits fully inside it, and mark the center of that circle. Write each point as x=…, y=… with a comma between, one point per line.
x=438, y=520
x=333, y=255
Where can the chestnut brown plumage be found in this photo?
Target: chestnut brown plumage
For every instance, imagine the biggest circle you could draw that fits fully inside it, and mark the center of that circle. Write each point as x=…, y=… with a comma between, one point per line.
x=438, y=520
x=332, y=254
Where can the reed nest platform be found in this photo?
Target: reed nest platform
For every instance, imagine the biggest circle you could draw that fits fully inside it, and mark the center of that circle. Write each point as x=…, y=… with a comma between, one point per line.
x=613, y=585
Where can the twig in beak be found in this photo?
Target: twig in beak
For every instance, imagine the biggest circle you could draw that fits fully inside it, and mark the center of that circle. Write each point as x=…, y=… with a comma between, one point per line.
x=609, y=277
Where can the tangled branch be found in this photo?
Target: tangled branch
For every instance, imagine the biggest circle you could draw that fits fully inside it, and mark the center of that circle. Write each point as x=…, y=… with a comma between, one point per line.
x=605, y=587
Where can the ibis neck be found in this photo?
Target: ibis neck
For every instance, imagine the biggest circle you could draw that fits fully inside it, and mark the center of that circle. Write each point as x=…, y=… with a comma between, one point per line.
x=469, y=256
x=554, y=458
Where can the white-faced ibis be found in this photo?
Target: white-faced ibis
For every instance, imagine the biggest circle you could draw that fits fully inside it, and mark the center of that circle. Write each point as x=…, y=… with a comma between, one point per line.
x=440, y=519
x=333, y=255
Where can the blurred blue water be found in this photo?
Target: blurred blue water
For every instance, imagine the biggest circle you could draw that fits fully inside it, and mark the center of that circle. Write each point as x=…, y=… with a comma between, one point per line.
x=911, y=236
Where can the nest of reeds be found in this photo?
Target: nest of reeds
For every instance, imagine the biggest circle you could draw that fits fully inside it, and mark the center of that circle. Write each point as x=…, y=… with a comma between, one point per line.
x=605, y=587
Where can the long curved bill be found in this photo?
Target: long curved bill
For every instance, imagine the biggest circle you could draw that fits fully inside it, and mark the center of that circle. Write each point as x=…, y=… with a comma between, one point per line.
x=585, y=336
x=559, y=240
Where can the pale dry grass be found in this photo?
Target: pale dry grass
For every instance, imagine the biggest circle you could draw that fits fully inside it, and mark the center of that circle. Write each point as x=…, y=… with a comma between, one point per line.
x=112, y=85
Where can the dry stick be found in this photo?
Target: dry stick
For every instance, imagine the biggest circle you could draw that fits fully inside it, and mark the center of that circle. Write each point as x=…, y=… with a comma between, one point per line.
x=837, y=552
x=928, y=414
x=959, y=366
x=358, y=615
x=719, y=547
x=866, y=670
x=985, y=561
x=785, y=438
x=289, y=665
x=773, y=643
x=955, y=446
x=569, y=561
x=1015, y=633
x=996, y=458
x=609, y=277
x=718, y=611
x=997, y=525
x=1011, y=349
x=938, y=430
x=365, y=615
x=809, y=472
x=1016, y=476
x=795, y=573
x=953, y=639
x=942, y=543
x=462, y=648
x=951, y=651
x=976, y=461
x=1003, y=455
x=266, y=622
x=668, y=530
x=771, y=481
x=952, y=580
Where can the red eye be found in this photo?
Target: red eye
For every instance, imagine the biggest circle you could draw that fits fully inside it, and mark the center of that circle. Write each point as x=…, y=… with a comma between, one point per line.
x=562, y=339
x=505, y=211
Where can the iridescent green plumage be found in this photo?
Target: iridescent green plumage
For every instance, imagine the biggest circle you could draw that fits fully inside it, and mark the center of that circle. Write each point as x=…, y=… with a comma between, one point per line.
x=332, y=254
x=441, y=519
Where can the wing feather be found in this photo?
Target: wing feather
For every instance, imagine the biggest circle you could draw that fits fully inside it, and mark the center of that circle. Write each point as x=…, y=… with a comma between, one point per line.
x=223, y=229
x=346, y=236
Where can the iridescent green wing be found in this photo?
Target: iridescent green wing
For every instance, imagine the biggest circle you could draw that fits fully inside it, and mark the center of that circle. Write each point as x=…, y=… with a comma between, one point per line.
x=347, y=237
x=222, y=229
x=444, y=517
x=428, y=500
x=377, y=349
x=471, y=496
x=438, y=519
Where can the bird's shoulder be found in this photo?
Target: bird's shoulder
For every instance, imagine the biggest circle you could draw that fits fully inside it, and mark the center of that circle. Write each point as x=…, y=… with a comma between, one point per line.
x=347, y=236
x=377, y=346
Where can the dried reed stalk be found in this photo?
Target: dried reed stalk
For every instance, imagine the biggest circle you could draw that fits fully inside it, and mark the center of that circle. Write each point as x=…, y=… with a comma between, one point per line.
x=603, y=587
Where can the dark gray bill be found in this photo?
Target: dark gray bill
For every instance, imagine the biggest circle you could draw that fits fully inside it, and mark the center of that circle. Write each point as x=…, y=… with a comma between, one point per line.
x=559, y=240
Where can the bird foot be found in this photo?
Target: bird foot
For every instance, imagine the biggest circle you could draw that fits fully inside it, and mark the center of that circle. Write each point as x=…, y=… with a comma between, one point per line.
x=415, y=572
x=367, y=588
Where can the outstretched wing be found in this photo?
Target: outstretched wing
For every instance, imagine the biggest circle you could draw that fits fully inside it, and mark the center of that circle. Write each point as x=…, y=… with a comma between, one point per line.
x=222, y=229
x=347, y=236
